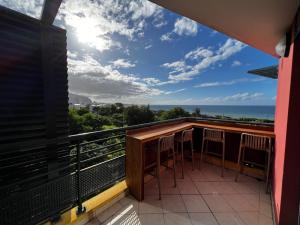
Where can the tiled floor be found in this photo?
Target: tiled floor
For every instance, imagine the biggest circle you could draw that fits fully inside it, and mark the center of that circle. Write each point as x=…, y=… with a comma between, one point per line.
x=201, y=198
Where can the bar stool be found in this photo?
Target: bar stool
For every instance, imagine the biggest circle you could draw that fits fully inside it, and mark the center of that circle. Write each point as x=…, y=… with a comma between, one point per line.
x=185, y=137
x=252, y=142
x=213, y=135
x=165, y=146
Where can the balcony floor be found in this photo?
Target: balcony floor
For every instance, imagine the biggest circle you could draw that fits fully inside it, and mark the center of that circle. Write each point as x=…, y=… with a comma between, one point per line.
x=201, y=198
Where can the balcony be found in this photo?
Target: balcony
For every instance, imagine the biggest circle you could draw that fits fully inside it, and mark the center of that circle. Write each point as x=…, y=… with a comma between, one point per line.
x=95, y=169
x=202, y=197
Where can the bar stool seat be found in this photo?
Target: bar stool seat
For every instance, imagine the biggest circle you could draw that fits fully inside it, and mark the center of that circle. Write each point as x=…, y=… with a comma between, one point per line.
x=250, y=142
x=213, y=135
x=185, y=137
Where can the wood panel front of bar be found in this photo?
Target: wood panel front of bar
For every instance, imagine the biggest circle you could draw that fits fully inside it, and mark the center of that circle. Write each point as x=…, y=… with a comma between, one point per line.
x=135, y=153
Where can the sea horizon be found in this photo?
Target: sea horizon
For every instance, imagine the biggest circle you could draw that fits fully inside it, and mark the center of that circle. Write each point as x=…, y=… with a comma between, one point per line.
x=234, y=111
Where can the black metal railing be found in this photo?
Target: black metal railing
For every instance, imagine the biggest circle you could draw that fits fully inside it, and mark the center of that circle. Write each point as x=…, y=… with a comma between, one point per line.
x=96, y=162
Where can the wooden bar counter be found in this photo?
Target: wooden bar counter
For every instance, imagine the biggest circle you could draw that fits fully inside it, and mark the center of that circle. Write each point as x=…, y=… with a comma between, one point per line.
x=136, y=140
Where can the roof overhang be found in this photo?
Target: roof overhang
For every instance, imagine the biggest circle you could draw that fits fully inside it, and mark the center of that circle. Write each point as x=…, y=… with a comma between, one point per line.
x=270, y=72
x=258, y=23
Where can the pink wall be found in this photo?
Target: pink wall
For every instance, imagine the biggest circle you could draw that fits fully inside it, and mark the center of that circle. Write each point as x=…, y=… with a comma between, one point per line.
x=286, y=183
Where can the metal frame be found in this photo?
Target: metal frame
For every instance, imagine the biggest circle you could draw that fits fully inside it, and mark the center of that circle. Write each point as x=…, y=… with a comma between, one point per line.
x=254, y=143
x=213, y=135
x=181, y=141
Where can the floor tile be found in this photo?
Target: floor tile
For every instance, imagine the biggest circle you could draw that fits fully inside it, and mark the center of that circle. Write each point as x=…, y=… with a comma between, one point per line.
x=93, y=221
x=265, y=209
x=203, y=219
x=217, y=203
x=196, y=175
x=249, y=218
x=177, y=219
x=122, y=219
x=229, y=219
x=207, y=187
x=129, y=201
x=265, y=220
x=247, y=187
x=106, y=214
x=243, y=202
x=151, y=204
x=187, y=187
x=195, y=203
x=168, y=188
x=173, y=203
x=150, y=219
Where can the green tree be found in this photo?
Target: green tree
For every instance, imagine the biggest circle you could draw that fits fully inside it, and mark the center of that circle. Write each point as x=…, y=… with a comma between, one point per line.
x=75, y=121
x=197, y=112
x=174, y=113
x=83, y=110
x=138, y=114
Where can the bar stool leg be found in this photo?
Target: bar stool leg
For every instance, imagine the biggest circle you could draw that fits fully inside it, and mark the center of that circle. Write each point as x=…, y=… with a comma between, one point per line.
x=223, y=158
x=182, y=160
x=239, y=165
x=158, y=174
x=174, y=169
x=192, y=150
x=268, y=171
x=201, y=153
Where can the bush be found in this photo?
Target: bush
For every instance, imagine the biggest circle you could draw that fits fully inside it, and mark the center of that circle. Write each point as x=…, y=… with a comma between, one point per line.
x=174, y=113
x=138, y=114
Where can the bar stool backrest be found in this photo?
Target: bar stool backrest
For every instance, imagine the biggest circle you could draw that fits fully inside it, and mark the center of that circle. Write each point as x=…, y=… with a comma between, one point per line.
x=166, y=143
x=187, y=135
x=213, y=134
x=255, y=142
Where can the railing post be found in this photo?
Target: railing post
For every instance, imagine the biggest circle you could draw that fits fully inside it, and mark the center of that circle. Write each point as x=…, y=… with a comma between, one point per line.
x=81, y=208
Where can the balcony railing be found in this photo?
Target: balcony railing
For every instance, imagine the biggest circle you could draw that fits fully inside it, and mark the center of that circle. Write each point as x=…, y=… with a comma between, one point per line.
x=96, y=161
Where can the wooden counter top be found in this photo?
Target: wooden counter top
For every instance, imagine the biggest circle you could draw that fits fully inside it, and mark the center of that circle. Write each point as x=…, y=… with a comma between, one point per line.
x=157, y=132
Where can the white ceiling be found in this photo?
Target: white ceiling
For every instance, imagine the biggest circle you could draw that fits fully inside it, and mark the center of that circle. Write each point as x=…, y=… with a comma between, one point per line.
x=258, y=23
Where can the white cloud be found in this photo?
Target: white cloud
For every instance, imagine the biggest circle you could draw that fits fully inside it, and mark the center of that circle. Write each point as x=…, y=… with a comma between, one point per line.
x=88, y=77
x=233, y=99
x=32, y=8
x=143, y=9
x=173, y=92
x=185, y=26
x=148, y=46
x=182, y=26
x=236, y=63
x=166, y=37
x=95, y=22
x=160, y=24
x=213, y=33
x=199, y=53
x=151, y=81
x=204, y=57
x=227, y=83
x=122, y=63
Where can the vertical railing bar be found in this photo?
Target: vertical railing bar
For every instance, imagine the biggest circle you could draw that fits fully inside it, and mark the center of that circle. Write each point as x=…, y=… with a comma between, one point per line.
x=81, y=209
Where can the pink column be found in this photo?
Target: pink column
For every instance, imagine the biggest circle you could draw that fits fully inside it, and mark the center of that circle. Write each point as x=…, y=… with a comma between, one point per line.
x=286, y=185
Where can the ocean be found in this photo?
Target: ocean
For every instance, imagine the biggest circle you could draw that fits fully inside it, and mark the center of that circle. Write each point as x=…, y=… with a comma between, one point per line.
x=234, y=111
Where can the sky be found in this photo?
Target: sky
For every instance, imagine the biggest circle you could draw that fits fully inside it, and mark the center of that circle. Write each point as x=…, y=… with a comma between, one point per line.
x=136, y=52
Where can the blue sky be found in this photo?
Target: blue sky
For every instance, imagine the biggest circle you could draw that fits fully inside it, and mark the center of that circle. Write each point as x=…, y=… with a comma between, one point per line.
x=137, y=52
